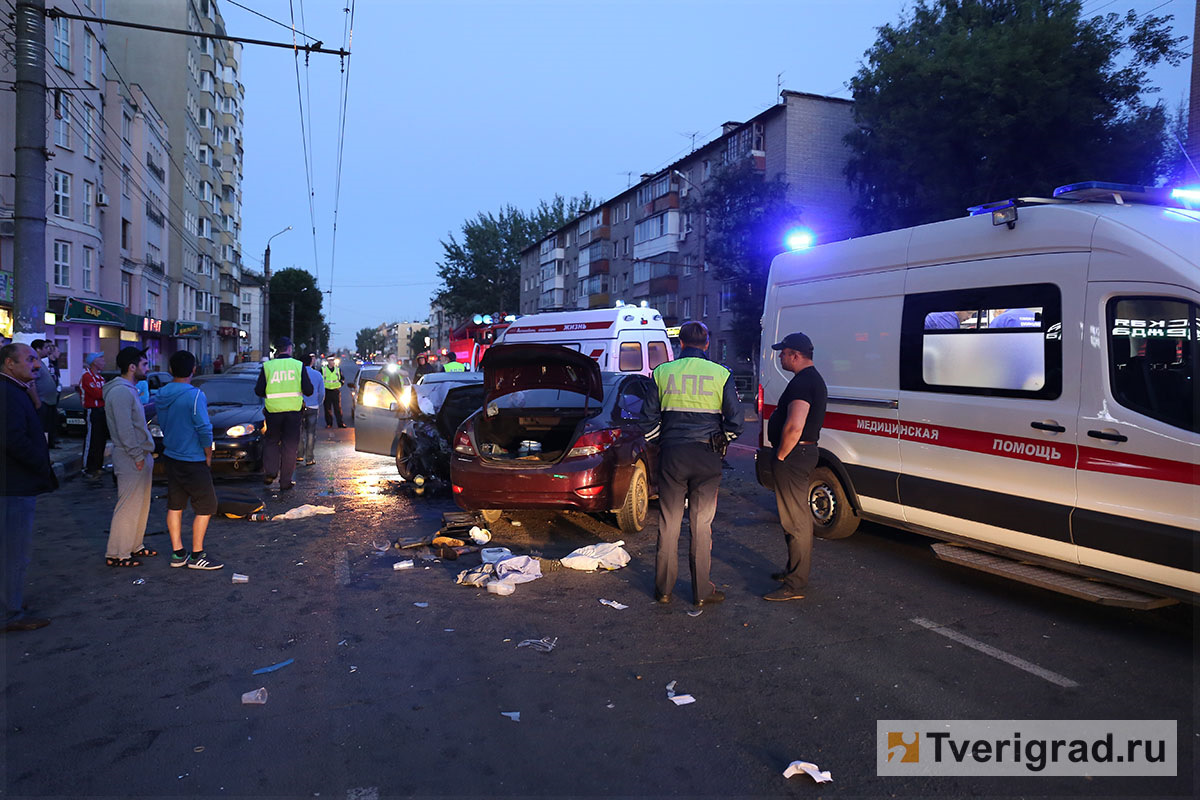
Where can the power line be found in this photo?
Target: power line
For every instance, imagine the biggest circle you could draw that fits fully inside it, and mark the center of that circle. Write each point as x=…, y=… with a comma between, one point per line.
x=304, y=143
x=347, y=44
x=269, y=19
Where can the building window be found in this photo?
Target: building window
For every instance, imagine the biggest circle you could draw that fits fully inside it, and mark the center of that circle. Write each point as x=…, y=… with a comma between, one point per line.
x=125, y=289
x=205, y=228
x=685, y=308
x=125, y=180
x=649, y=229
x=62, y=119
x=62, y=194
x=125, y=228
x=727, y=291
x=62, y=42
x=704, y=306
x=89, y=66
x=62, y=264
x=88, y=254
x=89, y=201
x=89, y=116
x=126, y=126
x=245, y=297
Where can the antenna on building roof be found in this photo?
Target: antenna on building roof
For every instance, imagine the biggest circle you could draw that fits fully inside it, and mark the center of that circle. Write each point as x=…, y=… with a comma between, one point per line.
x=778, y=88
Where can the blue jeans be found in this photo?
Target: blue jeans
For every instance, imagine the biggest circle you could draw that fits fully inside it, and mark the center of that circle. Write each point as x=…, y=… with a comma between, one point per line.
x=17, y=513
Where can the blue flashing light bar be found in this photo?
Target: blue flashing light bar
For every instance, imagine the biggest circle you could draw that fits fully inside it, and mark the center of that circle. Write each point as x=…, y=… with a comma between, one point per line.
x=1189, y=195
x=799, y=239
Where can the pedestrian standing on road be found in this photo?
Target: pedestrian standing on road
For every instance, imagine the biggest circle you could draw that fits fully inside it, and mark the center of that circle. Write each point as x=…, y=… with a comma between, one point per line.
x=27, y=473
x=47, y=389
x=133, y=461
x=453, y=364
x=283, y=382
x=793, y=430
x=91, y=392
x=187, y=458
x=313, y=402
x=332, y=378
x=696, y=413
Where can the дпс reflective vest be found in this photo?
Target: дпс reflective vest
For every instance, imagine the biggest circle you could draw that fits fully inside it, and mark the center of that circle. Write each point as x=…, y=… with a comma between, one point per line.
x=333, y=380
x=283, y=385
x=691, y=384
x=455, y=366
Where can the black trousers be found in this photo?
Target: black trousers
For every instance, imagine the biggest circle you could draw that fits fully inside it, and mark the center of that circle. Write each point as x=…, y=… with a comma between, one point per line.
x=795, y=515
x=333, y=406
x=95, y=439
x=691, y=471
x=49, y=414
x=282, y=442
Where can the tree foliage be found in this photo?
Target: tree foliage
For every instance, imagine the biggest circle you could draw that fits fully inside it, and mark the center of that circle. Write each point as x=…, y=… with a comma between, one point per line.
x=369, y=341
x=967, y=101
x=482, y=273
x=745, y=218
x=416, y=341
x=298, y=286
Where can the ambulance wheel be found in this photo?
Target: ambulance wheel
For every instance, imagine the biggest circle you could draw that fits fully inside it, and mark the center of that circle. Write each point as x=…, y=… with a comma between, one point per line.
x=833, y=516
x=631, y=516
x=490, y=515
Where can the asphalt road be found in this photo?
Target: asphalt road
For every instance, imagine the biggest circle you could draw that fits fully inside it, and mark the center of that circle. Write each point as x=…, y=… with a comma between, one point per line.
x=134, y=690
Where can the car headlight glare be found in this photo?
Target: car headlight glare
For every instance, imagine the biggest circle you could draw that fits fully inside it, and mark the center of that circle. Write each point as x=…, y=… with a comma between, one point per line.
x=240, y=430
x=376, y=395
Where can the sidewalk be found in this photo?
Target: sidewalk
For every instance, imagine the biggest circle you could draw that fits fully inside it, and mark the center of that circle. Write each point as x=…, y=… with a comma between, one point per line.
x=67, y=458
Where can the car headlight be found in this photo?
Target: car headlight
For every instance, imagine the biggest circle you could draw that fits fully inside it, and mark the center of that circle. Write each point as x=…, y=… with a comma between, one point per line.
x=155, y=430
x=406, y=397
x=240, y=430
x=376, y=395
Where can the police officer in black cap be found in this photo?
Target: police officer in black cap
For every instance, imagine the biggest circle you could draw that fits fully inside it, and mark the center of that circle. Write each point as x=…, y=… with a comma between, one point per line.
x=793, y=430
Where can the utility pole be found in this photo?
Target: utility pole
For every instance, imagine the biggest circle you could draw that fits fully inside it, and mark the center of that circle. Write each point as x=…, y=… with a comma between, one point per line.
x=29, y=197
x=292, y=323
x=266, y=325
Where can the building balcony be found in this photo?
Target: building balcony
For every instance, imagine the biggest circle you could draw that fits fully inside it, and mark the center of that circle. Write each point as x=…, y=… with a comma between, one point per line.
x=553, y=254
x=155, y=169
x=598, y=300
x=557, y=282
x=230, y=314
x=598, y=267
x=668, y=200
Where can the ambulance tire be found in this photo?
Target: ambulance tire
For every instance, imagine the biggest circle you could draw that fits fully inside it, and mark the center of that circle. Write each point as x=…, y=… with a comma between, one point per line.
x=490, y=515
x=833, y=516
x=631, y=516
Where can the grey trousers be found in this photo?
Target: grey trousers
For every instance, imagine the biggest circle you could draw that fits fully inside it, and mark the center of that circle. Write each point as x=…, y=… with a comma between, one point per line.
x=308, y=432
x=795, y=515
x=128, y=527
x=690, y=471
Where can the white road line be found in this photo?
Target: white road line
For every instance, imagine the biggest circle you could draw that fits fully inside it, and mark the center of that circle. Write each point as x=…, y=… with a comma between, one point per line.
x=341, y=569
x=743, y=446
x=986, y=649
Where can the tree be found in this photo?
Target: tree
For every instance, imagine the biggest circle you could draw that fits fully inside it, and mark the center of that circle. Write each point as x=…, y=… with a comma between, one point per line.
x=368, y=341
x=482, y=274
x=968, y=101
x=416, y=341
x=298, y=286
x=745, y=218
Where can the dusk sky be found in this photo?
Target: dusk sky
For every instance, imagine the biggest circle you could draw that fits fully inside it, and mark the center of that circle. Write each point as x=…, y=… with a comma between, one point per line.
x=460, y=107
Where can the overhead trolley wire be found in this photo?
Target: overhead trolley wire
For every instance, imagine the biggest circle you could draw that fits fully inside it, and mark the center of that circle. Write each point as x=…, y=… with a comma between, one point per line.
x=304, y=142
x=344, y=87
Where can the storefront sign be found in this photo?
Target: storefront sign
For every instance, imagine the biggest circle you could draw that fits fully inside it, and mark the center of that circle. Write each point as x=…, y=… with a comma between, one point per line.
x=188, y=330
x=151, y=325
x=98, y=312
x=6, y=287
x=226, y=331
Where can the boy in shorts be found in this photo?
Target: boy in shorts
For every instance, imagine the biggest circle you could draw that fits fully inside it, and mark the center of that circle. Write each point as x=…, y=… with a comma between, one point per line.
x=187, y=457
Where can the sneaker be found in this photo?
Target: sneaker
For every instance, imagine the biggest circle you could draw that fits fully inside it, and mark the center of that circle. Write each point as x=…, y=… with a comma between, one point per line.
x=780, y=595
x=178, y=561
x=202, y=560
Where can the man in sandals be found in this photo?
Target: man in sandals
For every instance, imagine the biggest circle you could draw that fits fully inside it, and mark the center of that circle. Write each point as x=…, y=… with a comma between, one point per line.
x=133, y=461
x=187, y=456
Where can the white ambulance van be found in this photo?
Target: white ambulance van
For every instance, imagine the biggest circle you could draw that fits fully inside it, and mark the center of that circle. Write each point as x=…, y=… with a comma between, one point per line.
x=1019, y=383
x=621, y=339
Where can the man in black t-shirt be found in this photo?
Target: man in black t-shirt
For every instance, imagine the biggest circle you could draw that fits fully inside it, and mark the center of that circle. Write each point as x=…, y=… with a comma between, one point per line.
x=793, y=430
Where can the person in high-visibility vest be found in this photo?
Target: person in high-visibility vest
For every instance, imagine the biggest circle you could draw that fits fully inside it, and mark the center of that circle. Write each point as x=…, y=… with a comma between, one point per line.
x=694, y=416
x=283, y=383
x=453, y=364
x=332, y=376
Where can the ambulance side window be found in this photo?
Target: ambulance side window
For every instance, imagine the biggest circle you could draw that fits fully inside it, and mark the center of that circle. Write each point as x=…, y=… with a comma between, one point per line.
x=1152, y=351
x=630, y=359
x=1004, y=341
x=659, y=353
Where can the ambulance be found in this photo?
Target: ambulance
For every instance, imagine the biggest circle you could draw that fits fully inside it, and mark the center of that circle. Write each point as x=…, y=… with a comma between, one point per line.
x=1019, y=384
x=626, y=338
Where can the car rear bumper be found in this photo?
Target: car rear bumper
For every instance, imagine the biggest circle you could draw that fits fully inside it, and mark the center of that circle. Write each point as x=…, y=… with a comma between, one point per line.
x=583, y=485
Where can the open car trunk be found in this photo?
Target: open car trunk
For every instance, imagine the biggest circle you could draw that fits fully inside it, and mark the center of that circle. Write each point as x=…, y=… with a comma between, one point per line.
x=524, y=436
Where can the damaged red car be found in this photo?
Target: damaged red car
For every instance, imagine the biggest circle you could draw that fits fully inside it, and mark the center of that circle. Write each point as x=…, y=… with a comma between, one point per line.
x=555, y=432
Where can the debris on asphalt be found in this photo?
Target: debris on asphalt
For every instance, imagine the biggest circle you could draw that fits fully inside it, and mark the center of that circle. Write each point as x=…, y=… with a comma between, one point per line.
x=406, y=564
x=447, y=541
x=476, y=576
x=613, y=604
x=815, y=772
x=255, y=698
x=518, y=569
x=545, y=644
x=240, y=578
x=695, y=612
x=306, y=510
x=480, y=535
x=515, y=716
x=421, y=605
x=605, y=555
x=139, y=581
x=678, y=699
x=353, y=668
x=273, y=667
x=491, y=555
x=502, y=588
x=516, y=523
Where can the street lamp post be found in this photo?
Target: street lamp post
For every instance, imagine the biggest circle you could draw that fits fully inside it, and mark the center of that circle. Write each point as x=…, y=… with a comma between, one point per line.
x=266, y=325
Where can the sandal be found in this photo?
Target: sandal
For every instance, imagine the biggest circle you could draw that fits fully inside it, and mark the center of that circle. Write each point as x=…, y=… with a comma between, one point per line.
x=121, y=562
x=145, y=552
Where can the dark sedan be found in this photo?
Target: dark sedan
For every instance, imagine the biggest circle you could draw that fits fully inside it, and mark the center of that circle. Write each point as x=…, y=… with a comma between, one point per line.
x=71, y=418
x=556, y=432
x=237, y=419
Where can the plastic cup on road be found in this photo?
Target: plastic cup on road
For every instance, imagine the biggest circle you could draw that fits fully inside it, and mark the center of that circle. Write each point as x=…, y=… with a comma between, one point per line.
x=255, y=698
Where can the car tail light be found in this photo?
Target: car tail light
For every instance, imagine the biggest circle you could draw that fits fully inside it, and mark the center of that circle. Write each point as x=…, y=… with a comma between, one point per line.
x=462, y=444
x=592, y=443
x=589, y=491
x=457, y=489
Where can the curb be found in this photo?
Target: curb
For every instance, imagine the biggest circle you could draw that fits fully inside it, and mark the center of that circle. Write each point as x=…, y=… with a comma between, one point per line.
x=68, y=469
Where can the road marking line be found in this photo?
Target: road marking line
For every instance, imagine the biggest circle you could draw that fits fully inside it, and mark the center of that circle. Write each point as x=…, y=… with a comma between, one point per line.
x=743, y=446
x=986, y=649
x=341, y=569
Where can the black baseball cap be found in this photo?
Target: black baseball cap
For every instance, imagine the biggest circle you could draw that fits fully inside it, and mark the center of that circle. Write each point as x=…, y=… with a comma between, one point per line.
x=796, y=341
x=283, y=343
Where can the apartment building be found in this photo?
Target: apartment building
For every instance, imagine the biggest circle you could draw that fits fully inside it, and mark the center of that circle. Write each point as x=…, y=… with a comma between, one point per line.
x=642, y=245
x=193, y=80
x=251, y=330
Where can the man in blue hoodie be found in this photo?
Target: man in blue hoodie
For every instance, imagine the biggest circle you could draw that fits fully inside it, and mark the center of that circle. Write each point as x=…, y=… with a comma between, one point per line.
x=187, y=457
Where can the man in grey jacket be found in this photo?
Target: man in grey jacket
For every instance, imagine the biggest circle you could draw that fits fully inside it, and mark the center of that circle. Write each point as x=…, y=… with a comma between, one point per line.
x=133, y=461
x=47, y=388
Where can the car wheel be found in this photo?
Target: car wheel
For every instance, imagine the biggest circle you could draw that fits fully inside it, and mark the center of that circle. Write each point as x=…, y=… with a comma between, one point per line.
x=406, y=461
x=490, y=515
x=631, y=516
x=833, y=517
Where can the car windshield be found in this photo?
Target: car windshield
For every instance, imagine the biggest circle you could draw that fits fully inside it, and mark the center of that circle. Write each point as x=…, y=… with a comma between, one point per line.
x=229, y=393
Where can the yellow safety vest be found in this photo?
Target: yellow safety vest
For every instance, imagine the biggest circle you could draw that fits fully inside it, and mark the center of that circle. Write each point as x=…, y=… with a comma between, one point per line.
x=691, y=384
x=283, y=385
x=333, y=380
x=455, y=366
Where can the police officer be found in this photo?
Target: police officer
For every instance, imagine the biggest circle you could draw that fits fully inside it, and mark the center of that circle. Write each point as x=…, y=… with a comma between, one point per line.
x=284, y=383
x=695, y=414
x=793, y=430
x=453, y=364
x=333, y=392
